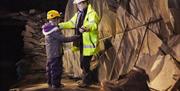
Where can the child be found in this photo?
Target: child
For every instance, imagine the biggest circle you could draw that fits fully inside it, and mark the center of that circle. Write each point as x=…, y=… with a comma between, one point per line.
x=54, y=50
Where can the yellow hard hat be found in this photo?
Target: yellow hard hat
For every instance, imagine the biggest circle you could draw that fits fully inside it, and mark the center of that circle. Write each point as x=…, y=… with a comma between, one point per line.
x=52, y=14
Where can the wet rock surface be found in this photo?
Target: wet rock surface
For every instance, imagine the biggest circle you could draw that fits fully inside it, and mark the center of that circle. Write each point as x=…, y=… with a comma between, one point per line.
x=132, y=32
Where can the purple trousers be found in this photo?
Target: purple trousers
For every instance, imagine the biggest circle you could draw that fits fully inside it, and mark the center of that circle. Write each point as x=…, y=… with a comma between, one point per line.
x=54, y=70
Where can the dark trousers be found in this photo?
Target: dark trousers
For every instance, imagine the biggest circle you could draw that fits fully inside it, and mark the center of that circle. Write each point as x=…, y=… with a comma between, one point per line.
x=85, y=66
x=54, y=70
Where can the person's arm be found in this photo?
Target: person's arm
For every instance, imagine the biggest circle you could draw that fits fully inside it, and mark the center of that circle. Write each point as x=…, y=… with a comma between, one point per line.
x=71, y=38
x=62, y=38
x=69, y=24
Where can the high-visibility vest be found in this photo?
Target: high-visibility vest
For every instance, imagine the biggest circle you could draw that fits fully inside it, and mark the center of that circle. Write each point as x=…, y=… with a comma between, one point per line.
x=90, y=39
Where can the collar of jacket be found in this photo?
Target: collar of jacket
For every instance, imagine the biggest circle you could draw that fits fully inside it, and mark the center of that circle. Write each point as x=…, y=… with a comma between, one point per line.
x=89, y=9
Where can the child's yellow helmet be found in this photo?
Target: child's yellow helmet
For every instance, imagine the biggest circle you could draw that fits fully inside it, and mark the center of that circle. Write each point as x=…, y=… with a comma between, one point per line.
x=52, y=14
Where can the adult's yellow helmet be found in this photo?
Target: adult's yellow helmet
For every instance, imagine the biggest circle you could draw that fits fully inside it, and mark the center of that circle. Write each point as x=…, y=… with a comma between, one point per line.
x=78, y=1
x=52, y=14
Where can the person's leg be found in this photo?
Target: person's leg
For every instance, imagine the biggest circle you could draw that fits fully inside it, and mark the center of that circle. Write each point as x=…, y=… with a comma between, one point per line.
x=85, y=66
x=48, y=72
x=56, y=72
x=86, y=70
x=61, y=68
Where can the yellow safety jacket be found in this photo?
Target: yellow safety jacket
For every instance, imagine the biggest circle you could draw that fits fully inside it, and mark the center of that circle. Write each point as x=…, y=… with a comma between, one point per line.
x=90, y=38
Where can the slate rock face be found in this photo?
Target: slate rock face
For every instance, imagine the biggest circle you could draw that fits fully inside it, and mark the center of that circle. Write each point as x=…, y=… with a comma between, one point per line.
x=142, y=32
x=132, y=32
x=34, y=60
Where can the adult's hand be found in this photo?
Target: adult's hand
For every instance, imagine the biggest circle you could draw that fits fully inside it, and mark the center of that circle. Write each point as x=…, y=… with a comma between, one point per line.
x=83, y=29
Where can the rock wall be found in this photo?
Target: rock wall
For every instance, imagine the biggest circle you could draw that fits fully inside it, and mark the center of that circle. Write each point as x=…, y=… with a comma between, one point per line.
x=32, y=65
x=144, y=33
x=133, y=32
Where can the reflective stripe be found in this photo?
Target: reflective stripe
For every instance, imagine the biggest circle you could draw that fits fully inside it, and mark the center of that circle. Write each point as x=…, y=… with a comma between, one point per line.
x=92, y=22
x=89, y=46
x=50, y=31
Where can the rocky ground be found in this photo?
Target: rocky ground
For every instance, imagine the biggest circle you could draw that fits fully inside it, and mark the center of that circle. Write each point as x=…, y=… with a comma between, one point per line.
x=70, y=85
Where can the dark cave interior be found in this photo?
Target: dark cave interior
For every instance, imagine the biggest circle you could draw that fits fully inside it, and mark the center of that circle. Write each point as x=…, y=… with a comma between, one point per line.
x=11, y=40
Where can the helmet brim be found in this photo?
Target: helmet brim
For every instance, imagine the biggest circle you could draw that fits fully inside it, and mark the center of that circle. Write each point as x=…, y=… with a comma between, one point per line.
x=76, y=2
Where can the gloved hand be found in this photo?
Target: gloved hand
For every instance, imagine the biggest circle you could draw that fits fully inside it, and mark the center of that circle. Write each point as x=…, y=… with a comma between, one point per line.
x=48, y=28
x=74, y=49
